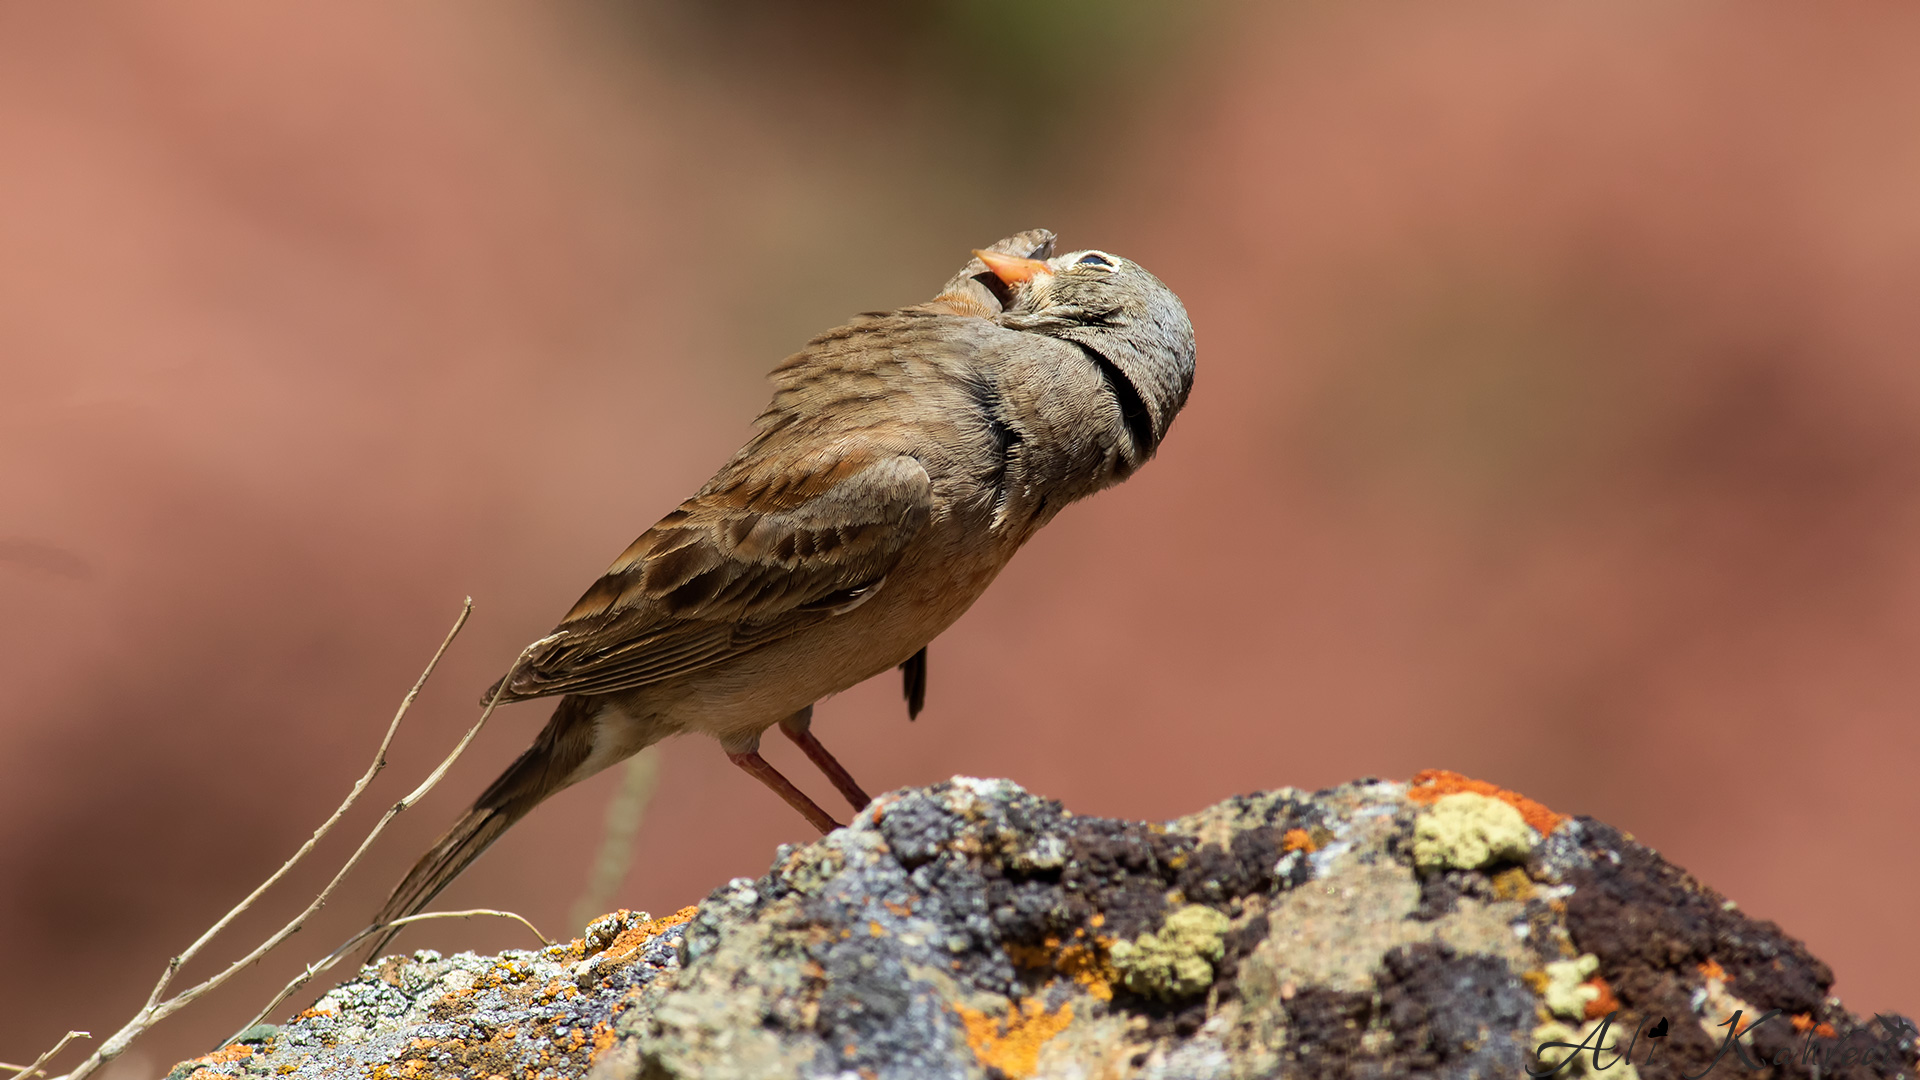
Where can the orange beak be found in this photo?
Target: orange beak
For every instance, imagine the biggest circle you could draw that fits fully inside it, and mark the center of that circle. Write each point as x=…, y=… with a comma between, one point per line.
x=1012, y=269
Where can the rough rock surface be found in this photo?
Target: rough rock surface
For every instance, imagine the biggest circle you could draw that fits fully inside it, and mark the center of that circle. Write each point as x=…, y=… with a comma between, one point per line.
x=1440, y=928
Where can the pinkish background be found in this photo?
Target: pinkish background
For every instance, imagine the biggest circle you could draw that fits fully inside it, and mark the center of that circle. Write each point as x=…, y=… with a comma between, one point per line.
x=1558, y=422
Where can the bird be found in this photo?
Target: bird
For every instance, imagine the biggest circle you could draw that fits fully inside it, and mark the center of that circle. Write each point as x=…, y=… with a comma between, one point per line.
x=904, y=458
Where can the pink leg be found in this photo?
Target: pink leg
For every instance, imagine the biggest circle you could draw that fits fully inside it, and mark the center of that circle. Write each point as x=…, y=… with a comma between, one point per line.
x=799, y=728
x=757, y=767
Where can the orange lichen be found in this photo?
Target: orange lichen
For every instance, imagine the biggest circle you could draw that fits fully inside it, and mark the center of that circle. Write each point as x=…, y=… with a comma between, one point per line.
x=1430, y=785
x=235, y=1052
x=1605, y=1003
x=639, y=934
x=1013, y=1044
x=1089, y=966
x=1712, y=971
x=1804, y=1022
x=874, y=929
x=1032, y=956
x=1084, y=961
x=1298, y=840
x=1513, y=884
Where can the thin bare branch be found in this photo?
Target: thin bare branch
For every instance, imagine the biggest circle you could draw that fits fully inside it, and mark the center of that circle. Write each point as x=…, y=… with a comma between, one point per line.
x=26, y=1072
x=433, y=778
x=352, y=943
x=373, y=770
x=156, y=1011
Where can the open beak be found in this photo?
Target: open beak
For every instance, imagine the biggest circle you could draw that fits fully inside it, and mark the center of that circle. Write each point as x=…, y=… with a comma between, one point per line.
x=1012, y=269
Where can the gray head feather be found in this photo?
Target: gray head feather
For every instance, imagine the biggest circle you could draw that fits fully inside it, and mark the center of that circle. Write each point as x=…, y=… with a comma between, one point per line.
x=1127, y=322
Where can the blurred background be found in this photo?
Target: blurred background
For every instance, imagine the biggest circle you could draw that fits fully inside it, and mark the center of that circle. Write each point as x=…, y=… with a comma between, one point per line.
x=1557, y=421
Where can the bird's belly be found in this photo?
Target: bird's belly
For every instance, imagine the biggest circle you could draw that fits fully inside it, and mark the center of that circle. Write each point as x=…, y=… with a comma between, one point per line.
x=738, y=700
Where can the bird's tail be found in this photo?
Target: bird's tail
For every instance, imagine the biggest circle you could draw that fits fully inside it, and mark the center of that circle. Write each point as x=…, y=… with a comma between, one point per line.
x=563, y=755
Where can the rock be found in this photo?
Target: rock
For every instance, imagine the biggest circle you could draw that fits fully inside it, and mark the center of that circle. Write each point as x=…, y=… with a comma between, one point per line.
x=1178, y=961
x=970, y=929
x=1470, y=831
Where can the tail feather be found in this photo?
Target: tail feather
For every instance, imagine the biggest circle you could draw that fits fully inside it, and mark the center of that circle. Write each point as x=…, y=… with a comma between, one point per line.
x=466, y=841
x=552, y=763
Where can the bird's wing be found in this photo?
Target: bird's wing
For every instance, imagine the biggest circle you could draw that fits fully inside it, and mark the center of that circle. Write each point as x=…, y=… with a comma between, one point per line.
x=767, y=549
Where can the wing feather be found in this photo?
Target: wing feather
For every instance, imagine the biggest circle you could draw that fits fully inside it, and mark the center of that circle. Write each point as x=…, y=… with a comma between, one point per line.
x=760, y=554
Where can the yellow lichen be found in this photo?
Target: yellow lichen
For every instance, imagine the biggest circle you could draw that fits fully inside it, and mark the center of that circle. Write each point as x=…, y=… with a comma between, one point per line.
x=1431, y=785
x=1468, y=831
x=1013, y=1045
x=1177, y=961
x=1566, y=992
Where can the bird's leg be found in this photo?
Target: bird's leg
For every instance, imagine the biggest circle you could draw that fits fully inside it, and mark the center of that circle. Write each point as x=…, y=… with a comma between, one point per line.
x=799, y=728
x=757, y=767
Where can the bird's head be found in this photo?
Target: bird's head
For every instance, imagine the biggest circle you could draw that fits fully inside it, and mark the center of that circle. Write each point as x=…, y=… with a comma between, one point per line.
x=1122, y=317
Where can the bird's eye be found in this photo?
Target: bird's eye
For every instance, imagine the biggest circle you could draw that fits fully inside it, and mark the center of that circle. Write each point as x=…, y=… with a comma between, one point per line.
x=1094, y=260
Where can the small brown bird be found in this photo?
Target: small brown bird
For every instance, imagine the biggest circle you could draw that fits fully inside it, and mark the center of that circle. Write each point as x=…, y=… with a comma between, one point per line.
x=903, y=460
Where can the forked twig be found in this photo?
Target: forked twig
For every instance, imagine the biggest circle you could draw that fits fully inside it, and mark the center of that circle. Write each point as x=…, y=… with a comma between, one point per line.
x=353, y=942
x=26, y=1072
x=379, y=763
x=156, y=1010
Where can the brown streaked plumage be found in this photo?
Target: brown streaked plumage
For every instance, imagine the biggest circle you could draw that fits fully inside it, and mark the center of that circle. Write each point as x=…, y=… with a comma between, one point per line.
x=904, y=458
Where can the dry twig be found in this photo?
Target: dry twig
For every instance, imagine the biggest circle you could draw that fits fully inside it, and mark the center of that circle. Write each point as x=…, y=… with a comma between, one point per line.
x=26, y=1072
x=156, y=1009
x=333, y=957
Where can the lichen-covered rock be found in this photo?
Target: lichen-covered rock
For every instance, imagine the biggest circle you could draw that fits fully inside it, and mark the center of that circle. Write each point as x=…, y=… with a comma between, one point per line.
x=1178, y=961
x=519, y=1014
x=1470, y=831
x=972, y=930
